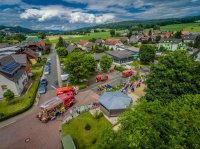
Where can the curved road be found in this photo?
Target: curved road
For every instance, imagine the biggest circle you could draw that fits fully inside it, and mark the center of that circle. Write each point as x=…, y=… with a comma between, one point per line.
x=27, y=132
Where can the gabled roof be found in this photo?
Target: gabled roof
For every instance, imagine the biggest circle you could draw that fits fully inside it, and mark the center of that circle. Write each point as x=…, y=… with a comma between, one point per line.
x=112, y=41
x=10, y=69
x=115, y=100
x=82, y=42
x=120, y=54
x=20, y=58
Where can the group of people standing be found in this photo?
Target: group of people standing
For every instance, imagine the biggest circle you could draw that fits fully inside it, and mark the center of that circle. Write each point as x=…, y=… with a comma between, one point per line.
x=131, y=85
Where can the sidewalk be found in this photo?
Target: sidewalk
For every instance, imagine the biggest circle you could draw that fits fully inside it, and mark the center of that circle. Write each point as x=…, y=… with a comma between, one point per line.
x=58, y=70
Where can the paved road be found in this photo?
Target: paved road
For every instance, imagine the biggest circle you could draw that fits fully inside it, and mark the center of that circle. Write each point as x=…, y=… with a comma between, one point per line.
x=53, y=76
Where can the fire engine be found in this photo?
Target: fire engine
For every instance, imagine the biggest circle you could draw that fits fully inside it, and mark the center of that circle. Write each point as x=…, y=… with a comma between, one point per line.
x=102, y=77
x=128, y=73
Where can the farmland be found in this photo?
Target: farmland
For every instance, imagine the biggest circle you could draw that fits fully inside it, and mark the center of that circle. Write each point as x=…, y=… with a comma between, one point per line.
x=191, y=27
x=77, y=38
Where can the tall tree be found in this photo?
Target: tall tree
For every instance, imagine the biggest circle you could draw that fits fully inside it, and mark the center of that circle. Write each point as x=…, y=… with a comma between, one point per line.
x=105, y=62
x=61, y=42
x=79, y=65
x=112, y=33
x=174, y=75
x=41, y=35
x=150, y=125
x=62, y=51
x=178, y=34
x=147, y=54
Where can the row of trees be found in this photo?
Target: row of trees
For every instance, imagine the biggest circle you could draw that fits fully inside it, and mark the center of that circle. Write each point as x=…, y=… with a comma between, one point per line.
x=10, y=38
x=168, y=116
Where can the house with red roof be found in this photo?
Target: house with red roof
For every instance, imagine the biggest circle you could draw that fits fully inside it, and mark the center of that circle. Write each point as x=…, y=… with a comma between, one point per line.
x=113, y=43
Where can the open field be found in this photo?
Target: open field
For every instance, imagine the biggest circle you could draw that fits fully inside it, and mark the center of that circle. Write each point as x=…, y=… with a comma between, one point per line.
x=191, y=27
x=77, y=38
x=85, y=138
x=20, y=104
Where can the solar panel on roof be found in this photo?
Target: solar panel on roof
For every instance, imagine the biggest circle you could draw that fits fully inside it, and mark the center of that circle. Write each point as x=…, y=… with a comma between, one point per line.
x=11, y=66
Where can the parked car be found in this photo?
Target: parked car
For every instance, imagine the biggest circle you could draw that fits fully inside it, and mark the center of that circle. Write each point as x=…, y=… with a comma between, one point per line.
x=44, y=81
x=48, y=60
x=48, y=63
x=42, y=89
x=46, y=71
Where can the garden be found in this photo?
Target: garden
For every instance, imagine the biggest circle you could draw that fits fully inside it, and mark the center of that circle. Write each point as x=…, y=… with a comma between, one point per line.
x=86, y=130
x=21, y=104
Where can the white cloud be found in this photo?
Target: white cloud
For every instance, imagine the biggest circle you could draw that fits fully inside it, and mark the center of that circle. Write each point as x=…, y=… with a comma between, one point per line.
x=66, y=14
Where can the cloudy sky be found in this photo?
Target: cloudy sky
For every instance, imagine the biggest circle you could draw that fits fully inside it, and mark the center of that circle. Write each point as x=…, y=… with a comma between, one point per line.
x=72, y=14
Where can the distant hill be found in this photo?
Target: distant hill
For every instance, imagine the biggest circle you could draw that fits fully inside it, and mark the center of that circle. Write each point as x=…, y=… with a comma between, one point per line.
x=19, y=29
x=145, y=23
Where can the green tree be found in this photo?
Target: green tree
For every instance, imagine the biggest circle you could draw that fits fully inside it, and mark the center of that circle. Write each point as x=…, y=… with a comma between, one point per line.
x=174, y=75
x=112, y=33
x=156, y=27
x=61, y=42
x=8, y=95
x=151, y=125
x=79, y=65
x=178, y=35
x=147, y=54
x=41, y=35
x=105, y=62
x=197, y=42
x=62, y=51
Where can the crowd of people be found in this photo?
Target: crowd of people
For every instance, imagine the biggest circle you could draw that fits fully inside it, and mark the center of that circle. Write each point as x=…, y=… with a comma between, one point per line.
x=131, y=85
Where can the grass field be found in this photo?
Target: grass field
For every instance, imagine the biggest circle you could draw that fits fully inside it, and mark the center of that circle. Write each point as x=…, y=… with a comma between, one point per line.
x=77, y=38
x=20, y=104
x=191, y=27
x=85, y=138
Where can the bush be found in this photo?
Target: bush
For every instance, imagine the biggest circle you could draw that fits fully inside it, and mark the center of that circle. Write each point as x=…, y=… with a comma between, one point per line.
x=87, y=127
x=119, y=68
x=8, y=95
x=98, y=115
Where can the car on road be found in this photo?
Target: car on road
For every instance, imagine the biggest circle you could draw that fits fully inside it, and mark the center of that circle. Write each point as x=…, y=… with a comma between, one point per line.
x=44, y=81
x=42, y=89
x=46, y=71
x=48, y=63
x=48, y=60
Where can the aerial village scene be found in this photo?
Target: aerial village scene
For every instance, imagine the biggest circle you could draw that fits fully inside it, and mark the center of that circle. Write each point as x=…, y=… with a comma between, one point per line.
x=99, y=74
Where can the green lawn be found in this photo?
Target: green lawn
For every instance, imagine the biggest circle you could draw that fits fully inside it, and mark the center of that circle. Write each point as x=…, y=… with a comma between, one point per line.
x=191, y=27
x=84, y=138
x=21, y=104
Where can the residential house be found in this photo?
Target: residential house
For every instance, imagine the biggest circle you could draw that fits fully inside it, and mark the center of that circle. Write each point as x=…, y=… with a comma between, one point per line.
x=36, y=44
x=99, y=41
x=113, y=43
x=166, y=34
x=121, y=57
x=9, y=50
x=71, y=47
x=13, y=75
x=198, y=57
x=172, y=44
x=135, y=38
x=23, y=60
x=124, y=39
x=85, y=45
x=189, y=38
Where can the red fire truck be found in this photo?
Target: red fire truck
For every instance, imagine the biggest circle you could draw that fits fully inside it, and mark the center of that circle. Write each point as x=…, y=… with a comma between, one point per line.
x=54, y=106
x=128, y=73
x=102, y=77
x=68, y=89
